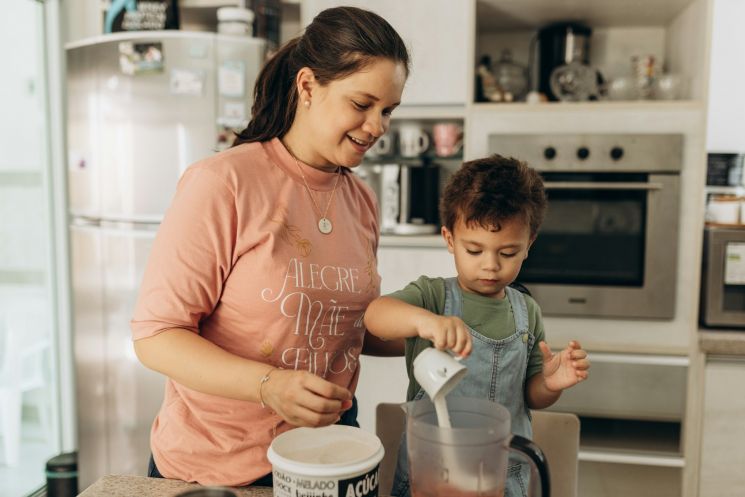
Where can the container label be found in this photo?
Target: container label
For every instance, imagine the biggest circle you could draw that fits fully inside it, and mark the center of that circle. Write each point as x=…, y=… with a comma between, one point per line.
x=291, y=485
x=360, y=486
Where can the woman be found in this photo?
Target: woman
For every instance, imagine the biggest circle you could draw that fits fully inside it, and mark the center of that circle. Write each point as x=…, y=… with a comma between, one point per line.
x=253, y=297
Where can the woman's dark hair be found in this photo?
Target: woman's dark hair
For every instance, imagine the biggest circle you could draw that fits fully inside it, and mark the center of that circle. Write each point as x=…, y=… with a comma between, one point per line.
x=337, y=43
x=487, y=192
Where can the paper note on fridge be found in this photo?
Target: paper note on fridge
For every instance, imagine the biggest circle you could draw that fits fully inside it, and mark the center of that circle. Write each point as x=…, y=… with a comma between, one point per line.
x=231, y=78
x=187, y=82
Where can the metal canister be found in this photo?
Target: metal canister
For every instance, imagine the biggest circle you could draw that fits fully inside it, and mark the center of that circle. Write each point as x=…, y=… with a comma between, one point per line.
x=62, y=475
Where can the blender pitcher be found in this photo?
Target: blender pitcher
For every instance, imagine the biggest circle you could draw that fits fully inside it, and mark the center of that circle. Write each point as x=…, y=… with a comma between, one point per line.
x=470, y=459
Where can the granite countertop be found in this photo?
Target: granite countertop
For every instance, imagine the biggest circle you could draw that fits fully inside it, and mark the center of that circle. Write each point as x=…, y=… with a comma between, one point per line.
x=722, y=342
x=141, y=486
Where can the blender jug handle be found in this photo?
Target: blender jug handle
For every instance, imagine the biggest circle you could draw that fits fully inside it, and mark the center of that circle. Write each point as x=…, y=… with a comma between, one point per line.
x=537, y=460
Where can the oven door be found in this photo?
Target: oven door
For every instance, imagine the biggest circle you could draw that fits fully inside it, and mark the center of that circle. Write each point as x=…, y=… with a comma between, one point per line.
x=608, y=245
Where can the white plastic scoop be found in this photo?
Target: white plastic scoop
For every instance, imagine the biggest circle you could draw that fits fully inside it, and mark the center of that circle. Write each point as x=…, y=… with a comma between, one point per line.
x=438, y=372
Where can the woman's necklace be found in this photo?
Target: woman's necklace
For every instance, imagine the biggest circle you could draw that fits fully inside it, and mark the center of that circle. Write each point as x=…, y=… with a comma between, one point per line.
x=324, y=224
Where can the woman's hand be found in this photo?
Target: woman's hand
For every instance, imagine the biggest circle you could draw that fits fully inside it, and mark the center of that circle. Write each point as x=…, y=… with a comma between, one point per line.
x=445, y=332
x=566, y=368
x=304, y=399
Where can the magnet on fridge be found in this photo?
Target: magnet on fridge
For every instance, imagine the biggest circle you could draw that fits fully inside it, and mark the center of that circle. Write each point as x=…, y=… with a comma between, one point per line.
x=138, y=58
x=231, y=79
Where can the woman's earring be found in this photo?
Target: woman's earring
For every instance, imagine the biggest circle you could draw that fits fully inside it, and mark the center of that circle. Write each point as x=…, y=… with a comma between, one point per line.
x=307, y=104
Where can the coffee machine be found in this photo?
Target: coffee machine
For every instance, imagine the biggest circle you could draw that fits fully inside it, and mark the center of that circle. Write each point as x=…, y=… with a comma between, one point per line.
x=408, y=196
x=559, y=44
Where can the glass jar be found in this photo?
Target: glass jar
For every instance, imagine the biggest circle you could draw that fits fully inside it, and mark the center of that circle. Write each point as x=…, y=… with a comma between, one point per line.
x=511, y=77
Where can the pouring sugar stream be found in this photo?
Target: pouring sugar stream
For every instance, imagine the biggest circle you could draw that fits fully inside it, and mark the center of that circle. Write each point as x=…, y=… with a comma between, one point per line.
x=438, y=372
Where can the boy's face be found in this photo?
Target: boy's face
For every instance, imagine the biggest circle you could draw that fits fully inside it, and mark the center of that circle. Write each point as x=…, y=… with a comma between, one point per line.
x=488, y=260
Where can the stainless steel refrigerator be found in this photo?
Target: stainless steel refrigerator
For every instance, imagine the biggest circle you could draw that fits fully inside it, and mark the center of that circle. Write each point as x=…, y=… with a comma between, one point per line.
x=141, y=108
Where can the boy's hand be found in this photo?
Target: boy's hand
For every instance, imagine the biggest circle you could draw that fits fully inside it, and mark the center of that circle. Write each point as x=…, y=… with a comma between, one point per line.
x=566, y=368
x=446, y=332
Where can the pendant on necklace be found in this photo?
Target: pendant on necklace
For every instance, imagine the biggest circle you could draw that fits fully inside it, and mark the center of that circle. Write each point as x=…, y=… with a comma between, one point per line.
x=324, y=226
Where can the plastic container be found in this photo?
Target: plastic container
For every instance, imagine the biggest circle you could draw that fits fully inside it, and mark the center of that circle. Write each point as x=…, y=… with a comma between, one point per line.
x=333, y=461
x=62, y=475
x=235, y=21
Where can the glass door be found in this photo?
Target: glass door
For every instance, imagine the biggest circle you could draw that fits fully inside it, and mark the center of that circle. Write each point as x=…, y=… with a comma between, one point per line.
x=30, y=327
x=594, y=232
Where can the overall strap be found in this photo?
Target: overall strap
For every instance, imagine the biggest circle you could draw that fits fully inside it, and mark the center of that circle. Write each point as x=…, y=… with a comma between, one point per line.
x=519, y=309
x=453, y=299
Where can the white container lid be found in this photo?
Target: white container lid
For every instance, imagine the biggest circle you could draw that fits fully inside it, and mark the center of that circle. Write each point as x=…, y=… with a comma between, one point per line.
x=235, y=14
x=331, y=451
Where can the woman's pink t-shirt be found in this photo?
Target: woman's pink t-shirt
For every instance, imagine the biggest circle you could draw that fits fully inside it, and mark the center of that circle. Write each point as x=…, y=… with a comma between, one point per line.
x=240, y=260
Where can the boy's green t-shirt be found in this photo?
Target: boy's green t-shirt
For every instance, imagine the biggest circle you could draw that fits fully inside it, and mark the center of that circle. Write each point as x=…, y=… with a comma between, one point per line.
x=489, y=316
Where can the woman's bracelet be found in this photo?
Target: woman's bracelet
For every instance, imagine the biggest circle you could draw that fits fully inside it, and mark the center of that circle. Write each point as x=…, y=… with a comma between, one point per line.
x=263, y=380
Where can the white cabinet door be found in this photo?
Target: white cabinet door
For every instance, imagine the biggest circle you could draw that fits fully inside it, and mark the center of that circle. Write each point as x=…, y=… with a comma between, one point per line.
x=436, y=33
x=723, y=439
x=399, y=266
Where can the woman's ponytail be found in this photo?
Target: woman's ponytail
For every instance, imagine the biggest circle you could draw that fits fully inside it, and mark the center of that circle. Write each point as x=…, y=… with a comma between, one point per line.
x=275, y=98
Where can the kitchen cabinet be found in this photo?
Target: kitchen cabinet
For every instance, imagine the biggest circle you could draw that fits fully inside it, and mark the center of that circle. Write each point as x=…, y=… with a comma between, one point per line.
x=626, y=448
x=723, y=433
x=435, y=32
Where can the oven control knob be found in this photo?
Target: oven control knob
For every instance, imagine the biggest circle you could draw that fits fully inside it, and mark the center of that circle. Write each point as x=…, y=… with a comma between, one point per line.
x=549, y=153
x=583, y=153
x=616, y=153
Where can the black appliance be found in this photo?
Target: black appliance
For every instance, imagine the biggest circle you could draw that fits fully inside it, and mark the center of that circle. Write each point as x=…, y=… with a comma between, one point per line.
x=560, y=44
x=408, y=196
x=607, y=245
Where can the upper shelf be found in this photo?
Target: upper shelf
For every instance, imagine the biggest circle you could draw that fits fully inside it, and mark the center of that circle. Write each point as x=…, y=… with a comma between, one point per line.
x=531, y=14
x=604, y=105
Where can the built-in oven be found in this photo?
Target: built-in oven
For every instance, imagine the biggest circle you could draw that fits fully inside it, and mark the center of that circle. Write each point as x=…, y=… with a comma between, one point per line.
x=608, y=245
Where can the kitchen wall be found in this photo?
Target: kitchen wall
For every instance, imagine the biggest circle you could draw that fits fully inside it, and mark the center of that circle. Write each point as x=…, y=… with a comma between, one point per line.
x=727, y=78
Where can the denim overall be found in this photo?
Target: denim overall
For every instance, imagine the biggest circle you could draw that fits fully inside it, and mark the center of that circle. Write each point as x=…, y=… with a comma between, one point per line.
x=496, y=370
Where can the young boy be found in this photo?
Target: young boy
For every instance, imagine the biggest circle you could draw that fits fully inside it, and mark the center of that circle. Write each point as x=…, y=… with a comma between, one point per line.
x=491, y=211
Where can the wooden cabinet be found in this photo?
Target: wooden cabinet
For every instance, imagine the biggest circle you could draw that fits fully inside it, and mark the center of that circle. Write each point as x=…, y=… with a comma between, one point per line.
x=723, y=435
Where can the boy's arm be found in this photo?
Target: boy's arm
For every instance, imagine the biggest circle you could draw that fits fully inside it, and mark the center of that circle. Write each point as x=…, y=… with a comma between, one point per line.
x=560, y=371
x=389, y=318
x=537, y=395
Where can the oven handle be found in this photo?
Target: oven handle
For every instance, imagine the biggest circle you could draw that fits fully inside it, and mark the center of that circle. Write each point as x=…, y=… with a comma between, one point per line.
x=592, y=185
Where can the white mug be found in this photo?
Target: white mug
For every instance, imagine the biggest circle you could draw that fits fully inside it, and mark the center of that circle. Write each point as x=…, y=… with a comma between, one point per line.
x=437, y=371
x=382, y=147
x=412, y=140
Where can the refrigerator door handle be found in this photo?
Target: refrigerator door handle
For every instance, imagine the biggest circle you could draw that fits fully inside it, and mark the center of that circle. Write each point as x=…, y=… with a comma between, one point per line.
x=85, y=222
x=124, y=228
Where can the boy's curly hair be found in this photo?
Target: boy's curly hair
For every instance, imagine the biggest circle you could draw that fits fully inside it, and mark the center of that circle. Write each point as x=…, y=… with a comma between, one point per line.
x=489, y=191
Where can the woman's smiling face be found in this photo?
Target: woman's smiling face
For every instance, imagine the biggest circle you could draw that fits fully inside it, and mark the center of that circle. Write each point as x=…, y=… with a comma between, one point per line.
x=346, y=116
